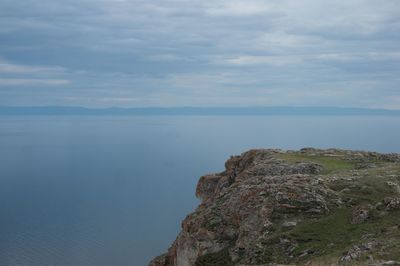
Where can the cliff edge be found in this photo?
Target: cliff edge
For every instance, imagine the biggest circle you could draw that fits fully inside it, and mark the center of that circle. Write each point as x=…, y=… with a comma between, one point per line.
x=307, y=207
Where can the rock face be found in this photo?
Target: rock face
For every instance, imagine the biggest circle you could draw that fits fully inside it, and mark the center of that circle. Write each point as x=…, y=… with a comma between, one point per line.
x=311, y=206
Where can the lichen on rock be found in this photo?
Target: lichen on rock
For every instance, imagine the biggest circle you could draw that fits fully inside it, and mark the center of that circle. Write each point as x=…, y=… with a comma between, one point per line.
x=311, y=206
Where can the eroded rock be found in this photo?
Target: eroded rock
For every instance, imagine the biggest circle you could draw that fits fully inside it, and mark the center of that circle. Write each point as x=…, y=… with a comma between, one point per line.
x=253, y=212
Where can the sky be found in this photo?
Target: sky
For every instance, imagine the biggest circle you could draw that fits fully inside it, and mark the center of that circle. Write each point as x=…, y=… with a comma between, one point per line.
x=134, y=53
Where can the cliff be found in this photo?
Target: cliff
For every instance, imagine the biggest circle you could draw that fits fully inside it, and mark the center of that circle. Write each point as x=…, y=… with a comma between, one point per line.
x=307, y=207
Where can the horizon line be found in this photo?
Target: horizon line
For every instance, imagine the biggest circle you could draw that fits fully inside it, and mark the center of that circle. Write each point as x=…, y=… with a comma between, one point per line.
x=194, y=110
x=199, y=107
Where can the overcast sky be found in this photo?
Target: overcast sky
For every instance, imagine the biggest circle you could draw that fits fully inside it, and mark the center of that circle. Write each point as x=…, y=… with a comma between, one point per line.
x=131, y=53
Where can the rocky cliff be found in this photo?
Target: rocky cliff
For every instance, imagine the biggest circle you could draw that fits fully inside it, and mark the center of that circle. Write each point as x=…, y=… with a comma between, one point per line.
x=307, y=207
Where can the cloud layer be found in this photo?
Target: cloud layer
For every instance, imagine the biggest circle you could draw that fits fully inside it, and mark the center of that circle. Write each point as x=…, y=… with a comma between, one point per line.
x=205, y=53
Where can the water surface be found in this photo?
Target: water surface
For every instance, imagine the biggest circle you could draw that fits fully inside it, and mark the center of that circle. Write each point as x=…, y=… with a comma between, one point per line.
x=98, y=190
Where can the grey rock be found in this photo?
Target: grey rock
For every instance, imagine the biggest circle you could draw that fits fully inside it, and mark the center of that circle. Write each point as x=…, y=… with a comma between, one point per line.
x=260, y=193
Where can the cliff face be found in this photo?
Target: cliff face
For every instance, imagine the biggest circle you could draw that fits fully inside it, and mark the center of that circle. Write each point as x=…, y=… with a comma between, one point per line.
x=313, y=207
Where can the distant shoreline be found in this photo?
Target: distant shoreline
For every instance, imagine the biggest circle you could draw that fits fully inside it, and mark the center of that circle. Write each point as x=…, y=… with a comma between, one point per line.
x=202, y=111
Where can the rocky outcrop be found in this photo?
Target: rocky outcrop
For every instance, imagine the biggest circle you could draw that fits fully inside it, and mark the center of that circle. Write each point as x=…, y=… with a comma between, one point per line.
x=272, y=206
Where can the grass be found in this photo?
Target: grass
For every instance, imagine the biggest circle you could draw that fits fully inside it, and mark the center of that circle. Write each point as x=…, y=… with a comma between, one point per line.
x=330, y=236
x=330, y=164
x=333, y=232
x=220, y=258
x=371, y=187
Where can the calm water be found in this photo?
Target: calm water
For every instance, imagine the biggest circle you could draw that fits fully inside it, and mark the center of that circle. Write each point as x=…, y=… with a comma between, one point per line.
x=113, y=190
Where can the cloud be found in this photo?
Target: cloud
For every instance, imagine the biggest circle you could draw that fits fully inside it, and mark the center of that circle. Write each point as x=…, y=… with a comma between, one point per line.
x=237, y=8
x=17, y=75
x=367, y=56
x=196, y=52
x=33, y=82
x=248, y=60
x=7, y=67
x=164, y=57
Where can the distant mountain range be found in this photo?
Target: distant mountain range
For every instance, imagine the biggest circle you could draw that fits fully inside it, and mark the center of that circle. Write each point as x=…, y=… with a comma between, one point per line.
x=63, y=110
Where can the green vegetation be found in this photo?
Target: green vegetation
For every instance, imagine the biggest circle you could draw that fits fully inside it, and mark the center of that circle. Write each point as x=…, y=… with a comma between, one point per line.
x=220, y=258
x=333, y=232
x=332, y=235
x=371, y=187
x=346, y=211
x=213, y=223
x=330, y=164
x=324, y=240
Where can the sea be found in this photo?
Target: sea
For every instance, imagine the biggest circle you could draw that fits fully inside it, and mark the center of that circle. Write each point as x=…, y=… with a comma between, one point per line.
x=113, y=190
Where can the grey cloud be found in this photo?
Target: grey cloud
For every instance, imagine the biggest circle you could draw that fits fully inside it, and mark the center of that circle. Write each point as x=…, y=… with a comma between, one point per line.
x=21, y=81
x=179, y=52
x=7, y=67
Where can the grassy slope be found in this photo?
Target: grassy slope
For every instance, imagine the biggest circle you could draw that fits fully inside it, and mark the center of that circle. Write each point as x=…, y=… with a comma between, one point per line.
x=328, y=237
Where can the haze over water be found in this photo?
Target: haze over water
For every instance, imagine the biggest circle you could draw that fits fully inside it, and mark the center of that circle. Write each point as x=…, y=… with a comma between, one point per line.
x=113, y=190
